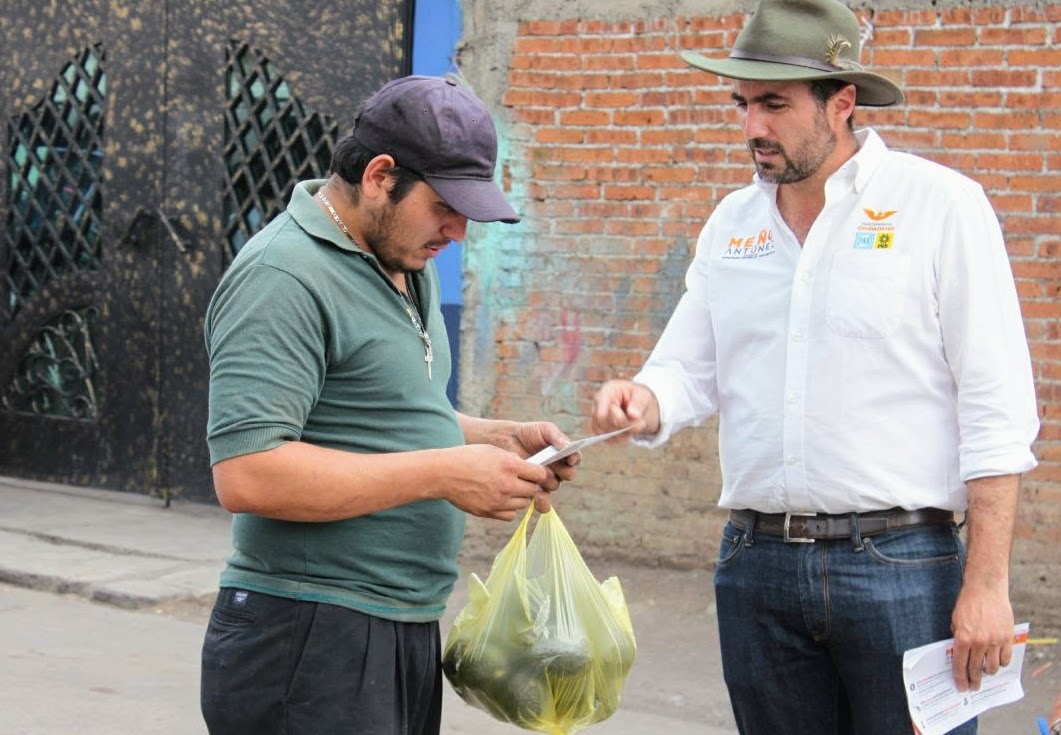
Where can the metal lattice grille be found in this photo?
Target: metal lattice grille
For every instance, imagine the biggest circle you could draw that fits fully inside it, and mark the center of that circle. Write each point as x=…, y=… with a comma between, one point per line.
x=271, y=143
x=54, y=157
x=57, y=375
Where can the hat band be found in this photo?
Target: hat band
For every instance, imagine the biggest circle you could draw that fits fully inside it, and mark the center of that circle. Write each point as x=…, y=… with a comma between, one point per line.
x=783, y=59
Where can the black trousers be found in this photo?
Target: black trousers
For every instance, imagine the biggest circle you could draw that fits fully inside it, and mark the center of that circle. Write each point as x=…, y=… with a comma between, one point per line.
x=274, y=666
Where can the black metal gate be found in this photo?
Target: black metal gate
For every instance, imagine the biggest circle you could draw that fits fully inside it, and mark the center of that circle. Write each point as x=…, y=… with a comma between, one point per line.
x=143, y=143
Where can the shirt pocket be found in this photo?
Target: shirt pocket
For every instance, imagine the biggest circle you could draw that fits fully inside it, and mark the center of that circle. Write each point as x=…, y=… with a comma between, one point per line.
x=867, y=293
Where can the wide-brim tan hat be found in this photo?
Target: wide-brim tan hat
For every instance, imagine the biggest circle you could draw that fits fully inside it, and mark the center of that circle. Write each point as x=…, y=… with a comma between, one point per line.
x=801, y=41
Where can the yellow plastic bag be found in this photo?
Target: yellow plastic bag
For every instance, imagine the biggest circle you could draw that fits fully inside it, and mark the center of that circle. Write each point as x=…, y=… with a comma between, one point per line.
x=542, y=644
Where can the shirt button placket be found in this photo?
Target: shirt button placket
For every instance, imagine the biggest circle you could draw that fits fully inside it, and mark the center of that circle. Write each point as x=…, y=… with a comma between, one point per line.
x=795, y=381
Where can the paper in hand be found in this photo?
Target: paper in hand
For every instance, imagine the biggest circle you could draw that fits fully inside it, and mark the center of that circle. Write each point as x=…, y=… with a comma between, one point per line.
x=552, y=454
x=936, y=705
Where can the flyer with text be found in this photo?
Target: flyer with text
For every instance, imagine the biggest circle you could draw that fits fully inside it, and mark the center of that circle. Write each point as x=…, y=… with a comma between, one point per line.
x=936, y=705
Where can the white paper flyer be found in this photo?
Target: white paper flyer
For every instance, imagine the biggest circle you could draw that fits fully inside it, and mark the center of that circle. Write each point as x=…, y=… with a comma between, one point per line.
x=552, y=454
x=936, y=705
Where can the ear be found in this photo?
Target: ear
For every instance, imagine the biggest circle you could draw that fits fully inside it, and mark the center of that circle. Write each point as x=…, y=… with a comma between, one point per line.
x=843, y=103
x=377, y=179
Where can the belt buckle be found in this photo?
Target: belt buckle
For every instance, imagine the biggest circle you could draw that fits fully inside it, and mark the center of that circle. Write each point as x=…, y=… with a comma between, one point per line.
x=788, y=538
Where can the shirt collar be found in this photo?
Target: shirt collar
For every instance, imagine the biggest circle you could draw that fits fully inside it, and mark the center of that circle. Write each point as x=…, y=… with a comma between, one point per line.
x=856, y=171
x=862, y=165
x=306, y=210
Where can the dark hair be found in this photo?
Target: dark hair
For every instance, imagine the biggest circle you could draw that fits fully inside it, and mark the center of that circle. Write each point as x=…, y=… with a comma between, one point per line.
x=823, y=89
x=350, y=159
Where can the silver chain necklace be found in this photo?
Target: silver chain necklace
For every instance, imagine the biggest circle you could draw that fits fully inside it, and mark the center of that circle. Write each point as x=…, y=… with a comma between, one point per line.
x=410, y=308
x=418, y=325
x=336, y=217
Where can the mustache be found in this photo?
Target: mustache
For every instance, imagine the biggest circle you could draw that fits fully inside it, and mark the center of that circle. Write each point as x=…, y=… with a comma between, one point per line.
x=766, y=145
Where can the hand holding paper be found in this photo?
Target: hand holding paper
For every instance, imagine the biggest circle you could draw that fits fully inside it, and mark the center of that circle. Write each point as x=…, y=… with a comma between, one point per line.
x=936, y=705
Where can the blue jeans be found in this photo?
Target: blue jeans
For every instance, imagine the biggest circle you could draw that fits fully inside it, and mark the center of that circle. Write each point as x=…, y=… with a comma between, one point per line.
x=813, y=635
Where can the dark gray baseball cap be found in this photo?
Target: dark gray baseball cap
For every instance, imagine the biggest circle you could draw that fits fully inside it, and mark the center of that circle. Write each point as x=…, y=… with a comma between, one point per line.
x=442, y=131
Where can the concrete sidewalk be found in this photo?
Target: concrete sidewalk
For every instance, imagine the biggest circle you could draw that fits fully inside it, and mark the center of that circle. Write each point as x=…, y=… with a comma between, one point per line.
x=131, y=665
x=157, y=570
x=126, y=550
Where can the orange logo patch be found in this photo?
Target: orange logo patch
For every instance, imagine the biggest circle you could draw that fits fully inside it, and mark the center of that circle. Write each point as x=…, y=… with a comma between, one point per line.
x=879, y=216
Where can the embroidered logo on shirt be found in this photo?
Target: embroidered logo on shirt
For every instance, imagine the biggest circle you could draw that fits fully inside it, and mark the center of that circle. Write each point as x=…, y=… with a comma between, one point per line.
x=878, y=216
x=876, y=233
x=750, y=247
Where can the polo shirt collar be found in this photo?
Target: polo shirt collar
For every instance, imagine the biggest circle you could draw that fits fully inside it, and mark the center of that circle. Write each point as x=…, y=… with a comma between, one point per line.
x=305, y=209
x=311, y=217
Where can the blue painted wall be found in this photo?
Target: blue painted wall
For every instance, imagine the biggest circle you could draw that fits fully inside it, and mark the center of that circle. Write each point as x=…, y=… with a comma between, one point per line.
x=436, y=31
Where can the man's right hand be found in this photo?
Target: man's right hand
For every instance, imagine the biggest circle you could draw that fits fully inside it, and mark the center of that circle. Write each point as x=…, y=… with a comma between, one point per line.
x=490, y=482
x=622, y=403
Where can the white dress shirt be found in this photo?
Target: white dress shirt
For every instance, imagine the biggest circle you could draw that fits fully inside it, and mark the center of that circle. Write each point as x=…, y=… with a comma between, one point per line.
x=882, y=364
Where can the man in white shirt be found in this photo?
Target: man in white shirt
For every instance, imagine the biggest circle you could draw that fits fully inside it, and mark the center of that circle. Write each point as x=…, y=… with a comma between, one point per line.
x=852, y=317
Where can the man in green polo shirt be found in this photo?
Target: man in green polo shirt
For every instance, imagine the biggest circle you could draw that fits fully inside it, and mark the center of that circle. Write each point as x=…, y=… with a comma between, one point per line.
x=332, y=439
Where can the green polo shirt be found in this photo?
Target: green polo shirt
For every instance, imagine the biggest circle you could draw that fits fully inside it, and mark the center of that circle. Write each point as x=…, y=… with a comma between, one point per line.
x=309, y=340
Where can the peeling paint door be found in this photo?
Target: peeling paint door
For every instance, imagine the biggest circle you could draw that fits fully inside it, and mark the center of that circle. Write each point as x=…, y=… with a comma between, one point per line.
x=144, y=143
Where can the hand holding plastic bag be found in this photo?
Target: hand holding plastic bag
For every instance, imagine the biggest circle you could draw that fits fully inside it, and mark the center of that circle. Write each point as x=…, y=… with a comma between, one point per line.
x=542, y=644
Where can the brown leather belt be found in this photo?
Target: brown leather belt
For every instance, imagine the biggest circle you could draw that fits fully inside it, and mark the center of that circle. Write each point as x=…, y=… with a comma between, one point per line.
x=806, y=528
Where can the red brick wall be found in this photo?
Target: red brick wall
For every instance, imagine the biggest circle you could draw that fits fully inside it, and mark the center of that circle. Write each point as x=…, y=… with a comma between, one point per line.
x=617, y=152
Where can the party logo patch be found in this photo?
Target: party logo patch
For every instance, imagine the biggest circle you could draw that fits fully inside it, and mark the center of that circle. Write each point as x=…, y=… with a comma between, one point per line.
x=876, y=232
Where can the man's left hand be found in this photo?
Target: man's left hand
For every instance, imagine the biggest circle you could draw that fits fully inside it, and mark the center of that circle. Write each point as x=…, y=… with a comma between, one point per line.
x=529, y=438
x=982, y=624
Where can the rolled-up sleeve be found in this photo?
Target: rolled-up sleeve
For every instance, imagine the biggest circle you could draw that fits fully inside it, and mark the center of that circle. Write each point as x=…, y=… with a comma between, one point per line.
x=985, y=343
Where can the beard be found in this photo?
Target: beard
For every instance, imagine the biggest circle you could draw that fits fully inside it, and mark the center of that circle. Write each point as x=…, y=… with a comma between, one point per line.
x=387, y=239
x=804, y=161
x=387, y=242
x=380, y=239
